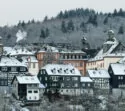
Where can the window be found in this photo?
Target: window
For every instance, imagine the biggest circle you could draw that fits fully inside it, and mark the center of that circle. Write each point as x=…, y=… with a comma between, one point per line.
x=75, y=78
x=43, y=71
x=35, y=91
x=29, y=91
x=83, y=85
x=81, y=64
x=30, y=85
x=62, y=85
x=67, y=78
x=46, y=78
x=88, y=85
x=53, y=77
x=120, y=77
x=13, y=69
x=33, y=65
x=22, y=69
x=4, y=68
x=75, y=85
x=35, y=85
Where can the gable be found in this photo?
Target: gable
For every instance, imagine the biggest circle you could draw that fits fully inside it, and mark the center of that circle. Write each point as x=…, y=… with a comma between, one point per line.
x=120, y=48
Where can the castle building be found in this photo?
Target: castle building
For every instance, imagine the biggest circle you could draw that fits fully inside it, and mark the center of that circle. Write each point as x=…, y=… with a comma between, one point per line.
x=111, y=52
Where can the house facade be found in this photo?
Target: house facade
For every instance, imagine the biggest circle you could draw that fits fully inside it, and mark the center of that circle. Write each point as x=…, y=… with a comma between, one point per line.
x=76, y=58
x=52, y=55
x=9, y=67
x=32, y=64
x=100, y=79
x=62, y=78
x=26, y=88
x=117, y=74
x=86, y=85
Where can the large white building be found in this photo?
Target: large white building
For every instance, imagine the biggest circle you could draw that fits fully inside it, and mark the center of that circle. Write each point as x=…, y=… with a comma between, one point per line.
x=112, y=52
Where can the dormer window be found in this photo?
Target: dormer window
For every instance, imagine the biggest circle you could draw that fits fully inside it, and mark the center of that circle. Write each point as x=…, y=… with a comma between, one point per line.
x=54, y=70
x=60, y=70
x=66, y=71
x=72, y=71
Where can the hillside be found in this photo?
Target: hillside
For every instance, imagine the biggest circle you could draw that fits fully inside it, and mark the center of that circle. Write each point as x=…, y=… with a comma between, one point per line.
x=69, y=27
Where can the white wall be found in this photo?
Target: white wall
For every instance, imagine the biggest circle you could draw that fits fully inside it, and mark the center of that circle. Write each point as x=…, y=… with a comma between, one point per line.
x=34, y=70
x=33, y=95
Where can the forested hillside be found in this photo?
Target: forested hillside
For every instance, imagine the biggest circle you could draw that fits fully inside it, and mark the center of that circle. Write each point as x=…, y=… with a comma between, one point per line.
x=69, y=27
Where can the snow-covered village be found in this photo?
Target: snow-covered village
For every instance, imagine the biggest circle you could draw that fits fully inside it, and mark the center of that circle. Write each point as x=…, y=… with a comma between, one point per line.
x=62, y=55
x=43, y=77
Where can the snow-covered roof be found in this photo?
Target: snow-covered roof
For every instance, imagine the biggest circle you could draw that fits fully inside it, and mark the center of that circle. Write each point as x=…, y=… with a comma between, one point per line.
x=16, y=51
x=98, y=73
x=41, y=86
x=10, y=61
x=28, y=79
x=61, y=69
x=122, y=60
x=100, y=55
x=49, y=48
x=29, y=59
x=86, y=79
x=118, y=69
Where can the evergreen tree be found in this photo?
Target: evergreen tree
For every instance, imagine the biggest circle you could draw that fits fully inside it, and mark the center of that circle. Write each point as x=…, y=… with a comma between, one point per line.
x=121, y=30
x=70, y=26
x=8, y=36
x=115, y=13
x=33, y=21
x=60, y=15
x=121, y=13
x=45, y=18
x=105, y=20
x=19, y=24
x=42, y=34
x=23, y=24
x=83, y=27
x=47, y=32
x=63, y=27
x=93, y=19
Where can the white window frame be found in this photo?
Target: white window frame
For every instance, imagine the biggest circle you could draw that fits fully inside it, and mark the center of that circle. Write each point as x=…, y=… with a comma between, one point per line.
x=13, y=69
x=4, y=68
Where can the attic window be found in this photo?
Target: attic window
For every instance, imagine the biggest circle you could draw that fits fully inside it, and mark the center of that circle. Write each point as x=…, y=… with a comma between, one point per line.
x=99, y=72
x=60, y=70
x=32, y=78
x=72, y=71
x=52, y=70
